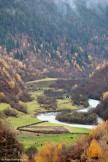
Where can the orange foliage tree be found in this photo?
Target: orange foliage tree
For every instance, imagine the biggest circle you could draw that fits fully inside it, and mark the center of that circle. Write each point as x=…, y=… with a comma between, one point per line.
x=50, y=153
x=94, y=151
x=2, y=94
x=105, y=95
x=12, y=84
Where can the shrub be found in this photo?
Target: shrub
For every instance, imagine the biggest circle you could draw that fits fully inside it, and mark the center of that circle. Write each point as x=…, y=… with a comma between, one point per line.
x=19, y=107
x=25, y=97
x=10, y=112
x=3, y=100
x=51, y=105
x=48, y=102
x=80, y=100
x=2, y=115
x=42, y=99
x=54, y=93
x=31, y=151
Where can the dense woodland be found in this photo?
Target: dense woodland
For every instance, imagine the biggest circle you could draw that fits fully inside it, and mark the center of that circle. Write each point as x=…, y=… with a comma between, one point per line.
x=53, y=39
x=77, y=117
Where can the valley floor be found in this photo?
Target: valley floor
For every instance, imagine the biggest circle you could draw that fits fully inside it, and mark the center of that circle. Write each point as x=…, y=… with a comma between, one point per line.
x=38, y=140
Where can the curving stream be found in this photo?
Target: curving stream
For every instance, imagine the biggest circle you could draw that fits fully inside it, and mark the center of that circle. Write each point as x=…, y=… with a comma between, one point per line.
x=51, y=117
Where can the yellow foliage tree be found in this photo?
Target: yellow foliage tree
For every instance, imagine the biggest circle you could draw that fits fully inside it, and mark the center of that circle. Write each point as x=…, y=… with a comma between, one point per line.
x=18, y=77
x=105, y=95
x=49, y=153
x=94, y=150
x=12, y=84
x=98, y=67
x=2, y=94
x=90, y=57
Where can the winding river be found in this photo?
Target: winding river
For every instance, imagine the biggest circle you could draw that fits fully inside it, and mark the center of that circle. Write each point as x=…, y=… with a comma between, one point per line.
x=51, y=117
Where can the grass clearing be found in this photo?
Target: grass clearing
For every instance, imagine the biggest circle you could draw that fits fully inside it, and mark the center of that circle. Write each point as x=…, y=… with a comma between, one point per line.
x=35, y=94
x=42, y=80
x=42, y=83
x=21, y=120
x=3, y=106
x=65, y=104
x=33, y=107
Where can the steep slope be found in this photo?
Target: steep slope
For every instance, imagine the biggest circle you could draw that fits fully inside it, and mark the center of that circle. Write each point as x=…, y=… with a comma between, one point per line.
x=97, y=83
x=12, y=87
x=53, y=37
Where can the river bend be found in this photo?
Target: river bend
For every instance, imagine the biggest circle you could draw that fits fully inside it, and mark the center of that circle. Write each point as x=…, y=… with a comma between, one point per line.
x=51, y=116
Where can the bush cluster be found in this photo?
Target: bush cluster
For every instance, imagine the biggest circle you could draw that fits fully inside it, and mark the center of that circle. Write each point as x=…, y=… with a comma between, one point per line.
x=77, y=117
x=80, y=100
x=19, y=107
x=10, y=112
x=55, y=94
x=48, y=102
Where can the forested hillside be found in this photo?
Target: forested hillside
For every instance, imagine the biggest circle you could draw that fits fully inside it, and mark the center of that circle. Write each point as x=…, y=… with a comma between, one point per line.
x=12, y=88
x=97, y=83
x=53, y=38
x=93, y=87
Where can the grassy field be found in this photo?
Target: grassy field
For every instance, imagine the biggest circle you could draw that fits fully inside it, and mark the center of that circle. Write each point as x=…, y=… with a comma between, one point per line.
x=39, y=140
x=29, y=139
x=65, y=104
x=3, y=106
x=21, y=120
x=44, y=81
x=42, y=84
